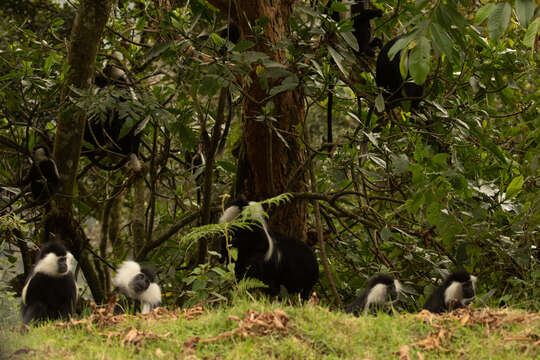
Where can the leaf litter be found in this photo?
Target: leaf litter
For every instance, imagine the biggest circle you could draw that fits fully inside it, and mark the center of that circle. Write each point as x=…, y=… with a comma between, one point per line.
x=490, y=319
x=253, y=324
x=103, y=316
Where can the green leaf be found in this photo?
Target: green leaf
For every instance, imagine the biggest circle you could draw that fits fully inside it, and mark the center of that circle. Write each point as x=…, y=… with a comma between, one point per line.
x=440, y=160
x=386, y=233
x=209, y=85
x=337, y=58
x=243, y=45
x=419, y=60
x=350, y=39
x=49, y=62
x=199, y=285
x=498, y=21
x=217, y=40
x=484, y=140
x=514, y=187
x=400, y=163
x=398, y=45
x=441, y=40
x=403, y=64
x=379, y=103
x=530, y=34
x=157, y=50
x=483, y=13
x=338, y=6
x=524, y=12
x=289, y=83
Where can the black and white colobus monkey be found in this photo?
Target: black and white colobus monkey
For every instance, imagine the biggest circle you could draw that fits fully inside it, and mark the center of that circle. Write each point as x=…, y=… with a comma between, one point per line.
x=382, y=291
x=105, y=136
x=389, y=77
x=138, y=284
x=275, y=259
x=43, y=176
x=457, y=290
x=50, y=292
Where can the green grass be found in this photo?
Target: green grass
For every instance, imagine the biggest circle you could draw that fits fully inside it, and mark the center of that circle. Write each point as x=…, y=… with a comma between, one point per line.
x=311, y=332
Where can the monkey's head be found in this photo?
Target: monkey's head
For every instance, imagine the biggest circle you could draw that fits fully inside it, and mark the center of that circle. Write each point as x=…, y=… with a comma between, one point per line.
x=142, y=281
x=54, y=260
x=383, y=290
x=40, y=153
x=460, y=287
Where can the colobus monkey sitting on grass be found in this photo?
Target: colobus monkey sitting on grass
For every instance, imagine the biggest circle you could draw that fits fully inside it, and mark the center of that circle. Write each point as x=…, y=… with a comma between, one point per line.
x=138, y=284
x=275, y=259
x=382, y=291
x=457, y=290
x=50, y=291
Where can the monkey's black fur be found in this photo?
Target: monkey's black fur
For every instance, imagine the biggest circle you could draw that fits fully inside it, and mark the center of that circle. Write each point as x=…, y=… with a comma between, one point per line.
x=456, y=291
x=104, y=136
x=361, y=17
x=288, y=262
x=362, y=27
x=376, y=296
x=43, y=176
x=50, y=291
x=389, y=77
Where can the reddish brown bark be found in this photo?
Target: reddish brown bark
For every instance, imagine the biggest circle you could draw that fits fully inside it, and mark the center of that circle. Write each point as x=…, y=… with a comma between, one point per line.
x=266, y=163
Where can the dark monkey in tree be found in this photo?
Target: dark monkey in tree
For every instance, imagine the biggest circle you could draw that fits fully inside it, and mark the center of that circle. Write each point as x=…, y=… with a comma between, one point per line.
x=43, y=176
x=388, y=76
x=116, y=134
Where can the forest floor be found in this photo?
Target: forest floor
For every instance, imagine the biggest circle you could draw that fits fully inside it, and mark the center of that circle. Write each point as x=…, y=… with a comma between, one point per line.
x=258, y=330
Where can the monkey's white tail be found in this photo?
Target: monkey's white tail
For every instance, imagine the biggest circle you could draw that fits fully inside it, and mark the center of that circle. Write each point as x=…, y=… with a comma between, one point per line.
x=258, y=214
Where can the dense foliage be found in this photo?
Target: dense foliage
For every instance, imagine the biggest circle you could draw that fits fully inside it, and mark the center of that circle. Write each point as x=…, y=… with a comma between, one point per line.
x=453, y=183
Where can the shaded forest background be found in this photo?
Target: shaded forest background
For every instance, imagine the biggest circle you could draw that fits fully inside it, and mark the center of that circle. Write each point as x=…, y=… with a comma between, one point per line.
x=412, y=192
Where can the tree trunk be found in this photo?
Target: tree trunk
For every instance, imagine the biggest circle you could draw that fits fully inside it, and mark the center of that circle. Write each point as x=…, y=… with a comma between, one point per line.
x=138, y=213
x=266, y=163
x=85, y=39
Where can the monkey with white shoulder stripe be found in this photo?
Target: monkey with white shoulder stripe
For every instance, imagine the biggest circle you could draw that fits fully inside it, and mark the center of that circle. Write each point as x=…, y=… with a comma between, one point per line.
x=274, y=258
x=50, y=292
x=381, y=292
x=456, y=291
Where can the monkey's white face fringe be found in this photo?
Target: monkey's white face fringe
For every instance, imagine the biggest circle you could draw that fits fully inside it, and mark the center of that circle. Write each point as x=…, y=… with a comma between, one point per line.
x=256, y=212
x=49, y=265
x=150, y=298
x=455, y=292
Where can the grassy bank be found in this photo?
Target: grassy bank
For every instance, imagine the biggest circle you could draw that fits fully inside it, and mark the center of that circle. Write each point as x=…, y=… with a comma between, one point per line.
x=250, y=330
